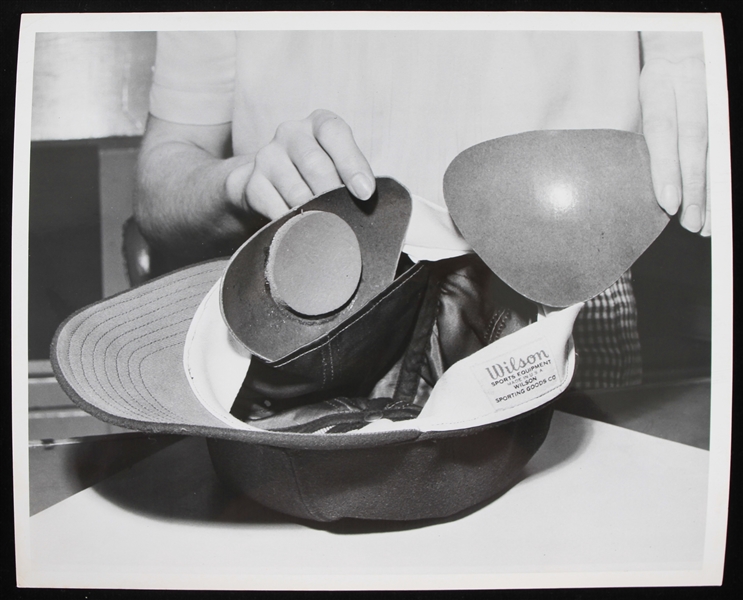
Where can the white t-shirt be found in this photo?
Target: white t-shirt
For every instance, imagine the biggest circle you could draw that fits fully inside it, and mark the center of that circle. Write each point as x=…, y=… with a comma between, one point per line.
x=414, y=99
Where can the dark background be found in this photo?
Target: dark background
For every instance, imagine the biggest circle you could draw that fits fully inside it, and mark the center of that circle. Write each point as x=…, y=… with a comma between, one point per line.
x=43, y=154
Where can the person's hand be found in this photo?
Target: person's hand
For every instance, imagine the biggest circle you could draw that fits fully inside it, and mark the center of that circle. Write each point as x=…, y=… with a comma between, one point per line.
x=673, y=97
x=304, y=159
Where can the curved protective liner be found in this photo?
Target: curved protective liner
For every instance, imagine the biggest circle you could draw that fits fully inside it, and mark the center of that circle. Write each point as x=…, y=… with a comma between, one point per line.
x=270, y=330
x=557, y=215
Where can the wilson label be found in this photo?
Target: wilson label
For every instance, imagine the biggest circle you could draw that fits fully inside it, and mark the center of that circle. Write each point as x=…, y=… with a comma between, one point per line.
x=518, y=375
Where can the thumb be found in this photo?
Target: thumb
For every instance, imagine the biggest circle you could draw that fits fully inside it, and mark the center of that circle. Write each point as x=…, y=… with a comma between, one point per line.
x=237, y=181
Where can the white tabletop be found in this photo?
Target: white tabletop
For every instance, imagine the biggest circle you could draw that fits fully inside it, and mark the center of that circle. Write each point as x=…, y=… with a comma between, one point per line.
x=595, y=499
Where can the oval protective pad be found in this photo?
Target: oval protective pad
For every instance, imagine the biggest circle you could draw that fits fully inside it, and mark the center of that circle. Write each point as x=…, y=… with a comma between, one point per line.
x=267, y=328
x=557, y=215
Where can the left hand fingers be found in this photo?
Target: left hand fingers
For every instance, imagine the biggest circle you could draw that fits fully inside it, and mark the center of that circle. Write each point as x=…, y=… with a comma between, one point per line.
x=674, y=109
x=660, y=127
x=691, y=109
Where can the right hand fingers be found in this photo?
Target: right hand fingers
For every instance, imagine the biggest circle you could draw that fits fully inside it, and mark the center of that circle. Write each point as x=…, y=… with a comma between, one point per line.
x=307, y=158
x=275, y=169
x=264, y=198
x=336, y=139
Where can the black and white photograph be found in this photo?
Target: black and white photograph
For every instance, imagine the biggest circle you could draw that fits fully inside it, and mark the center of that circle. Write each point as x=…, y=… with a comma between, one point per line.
x=371, y=301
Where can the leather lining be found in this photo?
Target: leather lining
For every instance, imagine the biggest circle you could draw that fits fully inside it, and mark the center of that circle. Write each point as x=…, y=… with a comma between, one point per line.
x=462, y=308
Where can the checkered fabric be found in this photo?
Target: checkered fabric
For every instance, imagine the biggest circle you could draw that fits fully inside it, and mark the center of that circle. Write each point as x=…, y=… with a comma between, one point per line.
x=607, y=340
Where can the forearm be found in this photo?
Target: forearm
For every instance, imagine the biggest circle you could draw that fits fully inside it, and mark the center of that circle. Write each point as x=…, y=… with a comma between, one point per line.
x=182, y=206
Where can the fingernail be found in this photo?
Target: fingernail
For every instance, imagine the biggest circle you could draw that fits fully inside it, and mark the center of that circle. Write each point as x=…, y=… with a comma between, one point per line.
x=361, y=186
x=692, y=218
x=670, y=199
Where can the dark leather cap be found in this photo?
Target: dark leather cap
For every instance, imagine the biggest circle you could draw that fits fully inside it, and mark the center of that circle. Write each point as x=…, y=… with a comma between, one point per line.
x=465, y=308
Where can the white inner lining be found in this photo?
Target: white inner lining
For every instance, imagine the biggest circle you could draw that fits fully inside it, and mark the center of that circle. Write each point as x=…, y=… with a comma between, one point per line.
x=214, y=362
x=505, y=379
